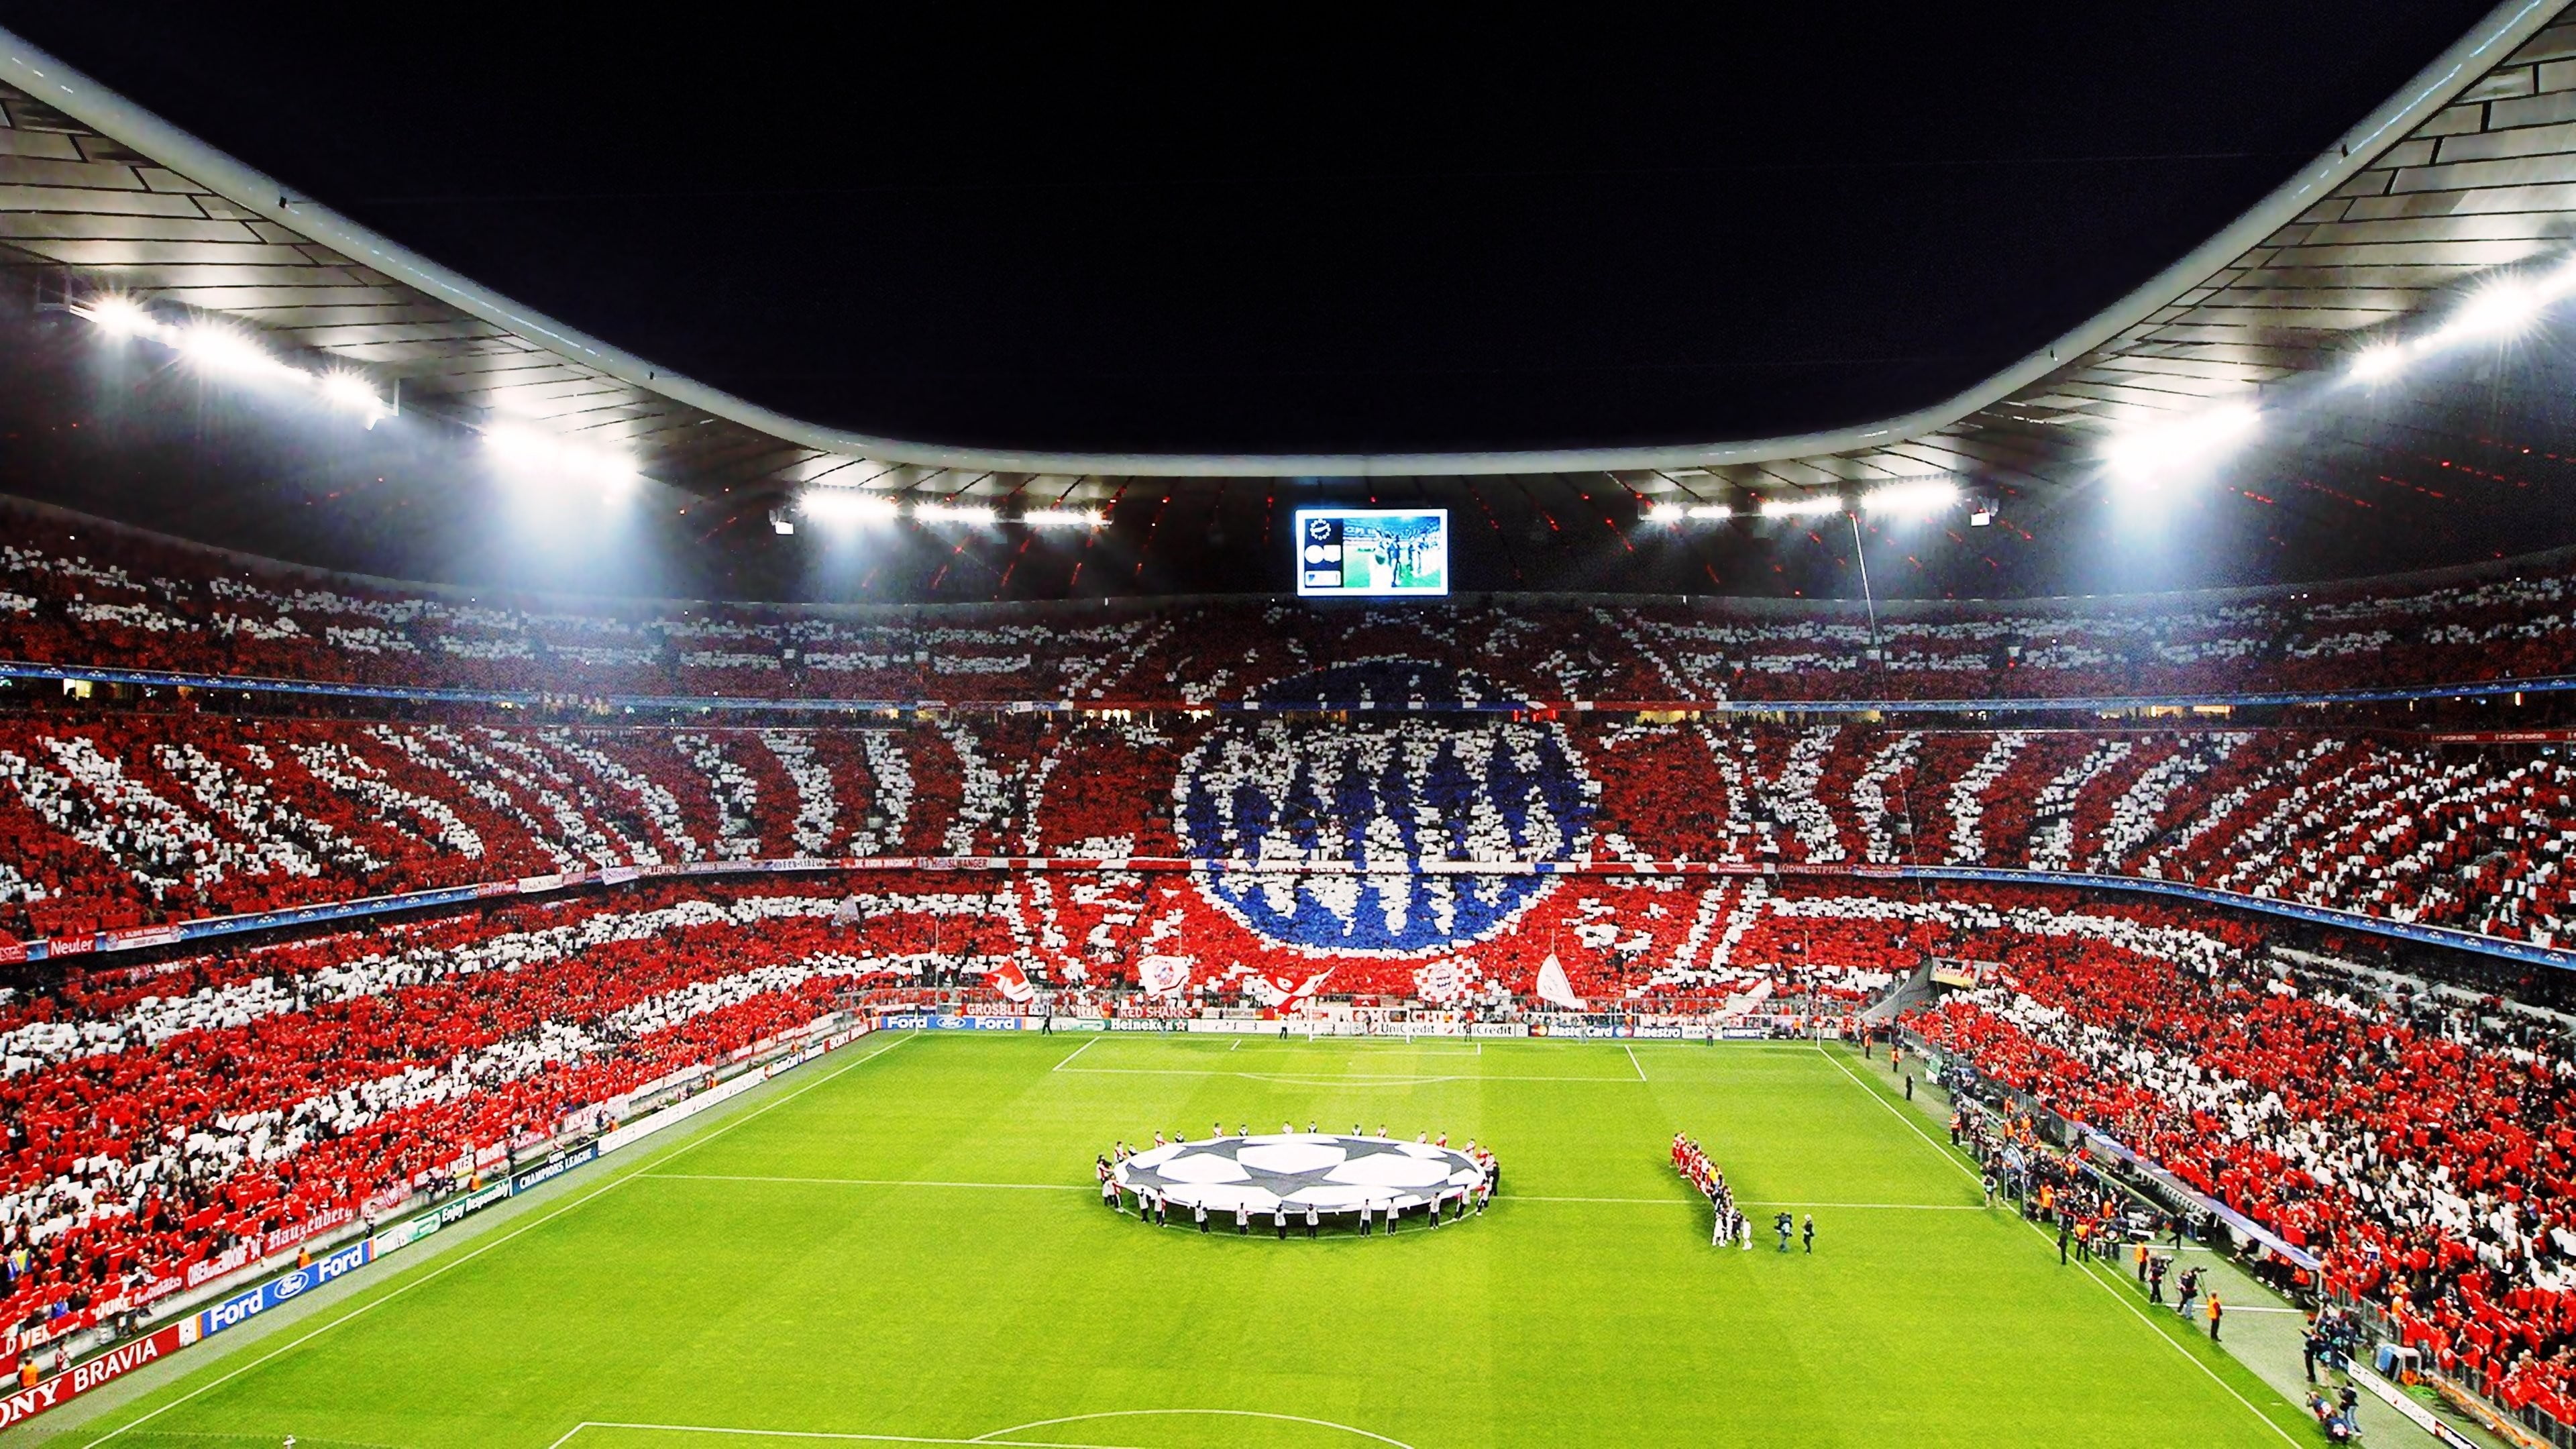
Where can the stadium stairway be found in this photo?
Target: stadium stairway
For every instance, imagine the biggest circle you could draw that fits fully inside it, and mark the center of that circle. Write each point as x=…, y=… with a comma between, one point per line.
x=1913, y=991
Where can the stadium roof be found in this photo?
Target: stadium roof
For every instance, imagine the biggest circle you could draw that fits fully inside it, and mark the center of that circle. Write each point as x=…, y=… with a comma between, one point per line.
x=2466, y=173
x=2462, y=171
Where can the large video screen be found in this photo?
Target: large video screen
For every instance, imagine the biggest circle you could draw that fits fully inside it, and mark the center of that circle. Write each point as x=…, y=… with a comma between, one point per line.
x=1372, y=553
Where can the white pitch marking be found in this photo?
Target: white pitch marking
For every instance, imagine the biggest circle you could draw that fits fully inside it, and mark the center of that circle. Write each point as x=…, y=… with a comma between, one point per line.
x=1632, y=1060
x=995, y=1436
x=1353, y=1079
x=471, y=1254
x=870, y=1182
x=1077, y=1051
x=2122, y=1298
x=814, y=1434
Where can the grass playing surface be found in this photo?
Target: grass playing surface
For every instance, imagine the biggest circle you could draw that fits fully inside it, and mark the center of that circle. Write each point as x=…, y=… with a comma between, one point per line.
x=902, y=1243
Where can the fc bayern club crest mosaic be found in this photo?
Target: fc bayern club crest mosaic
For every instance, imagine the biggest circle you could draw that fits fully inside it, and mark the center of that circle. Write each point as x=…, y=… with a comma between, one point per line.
x=1383, y=797
x=1386, y=817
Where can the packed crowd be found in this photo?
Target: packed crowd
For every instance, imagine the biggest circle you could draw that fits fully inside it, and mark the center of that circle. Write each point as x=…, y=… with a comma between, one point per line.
x=163, y=1122
x=2421, y=1142
x=1356, y=836
x=88, y=594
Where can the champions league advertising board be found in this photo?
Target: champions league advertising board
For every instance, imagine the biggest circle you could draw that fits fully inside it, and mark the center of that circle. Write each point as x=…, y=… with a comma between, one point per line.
x=1372, y=553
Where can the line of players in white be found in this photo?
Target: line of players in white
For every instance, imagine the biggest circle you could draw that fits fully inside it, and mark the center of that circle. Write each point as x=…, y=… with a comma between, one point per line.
x=1155, y=1209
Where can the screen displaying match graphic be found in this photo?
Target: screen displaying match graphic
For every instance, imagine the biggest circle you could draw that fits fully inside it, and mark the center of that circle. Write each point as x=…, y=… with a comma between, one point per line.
x=1372, y=552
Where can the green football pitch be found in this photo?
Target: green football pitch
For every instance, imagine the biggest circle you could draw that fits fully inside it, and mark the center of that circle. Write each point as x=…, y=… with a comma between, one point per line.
x=902, y=1244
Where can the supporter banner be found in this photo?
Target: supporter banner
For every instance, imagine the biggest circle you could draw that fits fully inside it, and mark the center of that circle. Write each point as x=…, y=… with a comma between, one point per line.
x=108, y=1367
x=244, y=1306
x=137, y=937
x=553, y=1167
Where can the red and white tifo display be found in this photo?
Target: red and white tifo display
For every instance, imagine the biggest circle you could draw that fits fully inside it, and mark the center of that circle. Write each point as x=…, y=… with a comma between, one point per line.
x=1296, y=1171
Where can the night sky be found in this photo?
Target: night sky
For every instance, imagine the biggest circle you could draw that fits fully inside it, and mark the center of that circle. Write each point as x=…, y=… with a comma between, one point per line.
x=1372, y=232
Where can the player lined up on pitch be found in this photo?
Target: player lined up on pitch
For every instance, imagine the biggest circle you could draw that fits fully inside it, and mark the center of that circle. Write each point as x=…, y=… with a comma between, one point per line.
x=1298, y=1179
x=1700, y=1171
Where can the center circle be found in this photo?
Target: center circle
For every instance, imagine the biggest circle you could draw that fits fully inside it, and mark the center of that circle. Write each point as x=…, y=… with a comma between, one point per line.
x=1331, y=1174
x=1315, y=837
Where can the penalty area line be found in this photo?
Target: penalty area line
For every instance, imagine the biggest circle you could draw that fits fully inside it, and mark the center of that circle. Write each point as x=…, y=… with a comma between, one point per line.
x=1950, y=1156
x=439, y=1270
x=990, y=1436
x=1632, y=1060
x=1077, y=1051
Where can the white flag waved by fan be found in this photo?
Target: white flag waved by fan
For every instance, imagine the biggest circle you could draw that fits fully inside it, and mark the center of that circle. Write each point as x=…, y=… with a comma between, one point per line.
x=1163, y=975
x=1013, y=983
x=1553, y=988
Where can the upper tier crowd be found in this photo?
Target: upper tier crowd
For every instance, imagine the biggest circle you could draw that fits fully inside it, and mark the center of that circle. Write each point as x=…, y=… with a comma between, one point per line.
x=88, y=595
x=127, y=819
x=2421, y=1142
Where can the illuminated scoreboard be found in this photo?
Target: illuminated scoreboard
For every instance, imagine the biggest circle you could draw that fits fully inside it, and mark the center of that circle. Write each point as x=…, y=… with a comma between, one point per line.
x=1372, y=553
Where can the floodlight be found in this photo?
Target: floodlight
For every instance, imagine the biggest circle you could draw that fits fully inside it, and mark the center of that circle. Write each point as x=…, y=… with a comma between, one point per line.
x=533, y=451
x=2145, y=454
x=524, y=447
x=844, y=505
x=954, y=513
x=117, y=314
x=1917, y=498
x=351, y=391
x=220, y=349
x=1664, y=513
x=1711, y=512
x=2499, y=309
x=1062, y=518
x=1812, y=507
x=2377, y=362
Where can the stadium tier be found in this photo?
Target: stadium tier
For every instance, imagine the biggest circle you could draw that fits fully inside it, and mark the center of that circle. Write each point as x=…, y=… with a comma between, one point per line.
x=125, y=820
x=83, y=595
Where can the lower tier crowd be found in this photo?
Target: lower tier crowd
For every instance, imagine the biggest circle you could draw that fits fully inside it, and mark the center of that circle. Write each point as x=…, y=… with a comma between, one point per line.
x=2420, y=1141
x=166, y=1118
